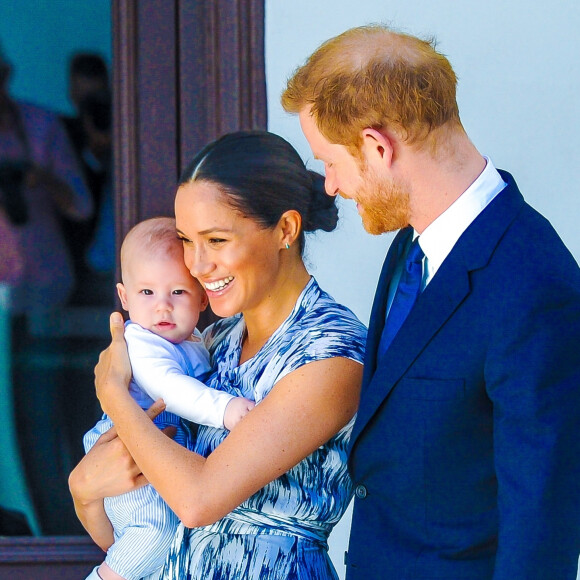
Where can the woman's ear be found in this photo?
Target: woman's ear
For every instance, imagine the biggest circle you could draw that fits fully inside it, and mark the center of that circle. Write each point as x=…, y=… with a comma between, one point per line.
x=122, y=296
x=377, y=148
x=290, y=225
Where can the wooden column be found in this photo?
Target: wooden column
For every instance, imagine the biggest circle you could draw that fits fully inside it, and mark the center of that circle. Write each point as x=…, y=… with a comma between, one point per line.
x=185, y=72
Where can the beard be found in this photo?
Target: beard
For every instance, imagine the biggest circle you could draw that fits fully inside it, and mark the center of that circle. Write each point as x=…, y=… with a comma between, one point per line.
x=383, y=204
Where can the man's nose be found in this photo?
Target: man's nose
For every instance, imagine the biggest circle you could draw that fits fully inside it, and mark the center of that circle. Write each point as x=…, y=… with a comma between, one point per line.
x=330, y=182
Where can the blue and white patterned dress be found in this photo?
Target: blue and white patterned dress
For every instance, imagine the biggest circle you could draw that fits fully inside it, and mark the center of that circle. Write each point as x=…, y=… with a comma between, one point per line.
x=281, y=531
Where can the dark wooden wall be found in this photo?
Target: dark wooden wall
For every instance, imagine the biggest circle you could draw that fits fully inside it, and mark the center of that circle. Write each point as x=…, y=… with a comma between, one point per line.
x=184, y=72
x=184, y=75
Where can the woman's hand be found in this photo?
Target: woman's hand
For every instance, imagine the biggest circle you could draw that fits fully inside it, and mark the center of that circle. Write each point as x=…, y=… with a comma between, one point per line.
x=113, y=371
x=106, y=470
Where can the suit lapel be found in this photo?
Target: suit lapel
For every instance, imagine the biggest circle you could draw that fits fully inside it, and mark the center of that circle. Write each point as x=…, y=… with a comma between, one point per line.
x=422, y=323
x=377, y=319
x=444, y=294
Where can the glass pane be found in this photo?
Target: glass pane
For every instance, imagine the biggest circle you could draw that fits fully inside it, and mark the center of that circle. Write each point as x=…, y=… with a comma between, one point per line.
x=57, y=250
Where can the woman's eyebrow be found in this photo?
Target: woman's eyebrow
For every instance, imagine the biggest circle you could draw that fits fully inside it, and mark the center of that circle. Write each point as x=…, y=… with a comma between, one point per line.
x=208, y=231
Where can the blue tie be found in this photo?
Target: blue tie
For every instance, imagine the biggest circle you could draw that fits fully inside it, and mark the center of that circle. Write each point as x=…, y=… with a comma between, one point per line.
x=407, y=291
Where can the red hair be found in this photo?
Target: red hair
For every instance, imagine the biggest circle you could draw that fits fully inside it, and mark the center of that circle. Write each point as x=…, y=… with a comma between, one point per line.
x=371, y=76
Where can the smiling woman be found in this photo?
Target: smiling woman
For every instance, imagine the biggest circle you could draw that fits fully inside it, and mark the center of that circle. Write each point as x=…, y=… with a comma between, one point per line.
x=241, y=211
x=242, y=200
x=226, y=251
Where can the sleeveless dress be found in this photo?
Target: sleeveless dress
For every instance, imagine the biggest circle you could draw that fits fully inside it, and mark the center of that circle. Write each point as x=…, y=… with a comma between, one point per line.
x=281, y=531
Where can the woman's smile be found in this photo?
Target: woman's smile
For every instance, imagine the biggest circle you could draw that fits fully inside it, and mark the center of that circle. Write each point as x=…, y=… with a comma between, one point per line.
x=218, y=285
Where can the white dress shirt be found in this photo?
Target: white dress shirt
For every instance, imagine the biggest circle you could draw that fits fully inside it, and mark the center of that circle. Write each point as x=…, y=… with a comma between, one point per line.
x=439, y=237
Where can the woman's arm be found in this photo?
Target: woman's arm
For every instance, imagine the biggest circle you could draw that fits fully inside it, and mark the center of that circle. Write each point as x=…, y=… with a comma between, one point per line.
x=107, y=470
x=303, y=411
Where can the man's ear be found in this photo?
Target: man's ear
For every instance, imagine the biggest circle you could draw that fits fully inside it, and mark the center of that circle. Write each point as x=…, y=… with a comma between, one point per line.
x=122, y=296
x=377, y=148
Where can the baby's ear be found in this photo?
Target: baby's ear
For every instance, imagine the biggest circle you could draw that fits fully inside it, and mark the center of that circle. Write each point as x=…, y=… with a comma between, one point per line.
x=204, y=301
x=122, y=296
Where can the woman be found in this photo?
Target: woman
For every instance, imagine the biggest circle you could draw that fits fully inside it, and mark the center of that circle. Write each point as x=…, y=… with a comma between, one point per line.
x=260, y=500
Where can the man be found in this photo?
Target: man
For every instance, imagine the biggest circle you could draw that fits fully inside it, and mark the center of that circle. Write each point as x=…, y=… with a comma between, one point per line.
x=88, y=75
x=90, y=133
x=465, y=453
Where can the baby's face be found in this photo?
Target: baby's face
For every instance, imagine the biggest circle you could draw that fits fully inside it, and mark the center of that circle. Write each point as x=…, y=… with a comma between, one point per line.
x=161, y=295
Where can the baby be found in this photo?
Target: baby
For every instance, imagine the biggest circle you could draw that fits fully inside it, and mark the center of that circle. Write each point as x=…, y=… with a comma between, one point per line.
x=163, y=301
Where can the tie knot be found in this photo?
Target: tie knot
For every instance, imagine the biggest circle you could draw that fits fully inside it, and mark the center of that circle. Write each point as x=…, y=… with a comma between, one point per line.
x=415, y=254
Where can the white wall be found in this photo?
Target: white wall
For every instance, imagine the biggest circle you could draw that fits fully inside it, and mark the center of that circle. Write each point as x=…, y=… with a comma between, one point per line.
x=518, y=65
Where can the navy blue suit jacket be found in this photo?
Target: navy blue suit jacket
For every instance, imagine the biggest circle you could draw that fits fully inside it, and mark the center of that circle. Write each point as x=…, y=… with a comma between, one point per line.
x=465, y=452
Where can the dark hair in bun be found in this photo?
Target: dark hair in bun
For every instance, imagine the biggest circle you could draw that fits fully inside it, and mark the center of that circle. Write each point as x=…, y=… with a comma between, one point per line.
x=322, y=213
x=263, y=176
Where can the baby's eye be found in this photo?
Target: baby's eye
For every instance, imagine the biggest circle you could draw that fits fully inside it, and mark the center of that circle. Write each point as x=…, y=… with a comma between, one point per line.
x=178, y=292
x=147, y=292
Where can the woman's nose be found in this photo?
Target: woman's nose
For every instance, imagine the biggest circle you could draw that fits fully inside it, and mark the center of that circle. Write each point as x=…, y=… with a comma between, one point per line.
x=197, y=262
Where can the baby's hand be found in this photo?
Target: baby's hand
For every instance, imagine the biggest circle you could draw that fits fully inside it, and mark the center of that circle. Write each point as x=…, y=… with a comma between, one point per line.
x=237, y=408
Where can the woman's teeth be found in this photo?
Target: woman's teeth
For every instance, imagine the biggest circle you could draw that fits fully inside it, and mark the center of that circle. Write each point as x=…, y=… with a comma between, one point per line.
x=219, y=284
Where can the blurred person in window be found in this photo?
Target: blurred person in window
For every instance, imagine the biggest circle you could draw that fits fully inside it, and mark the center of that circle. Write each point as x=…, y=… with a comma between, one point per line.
x=87, y=75
x=40, y=180
x=11, y=262
x=91, y=242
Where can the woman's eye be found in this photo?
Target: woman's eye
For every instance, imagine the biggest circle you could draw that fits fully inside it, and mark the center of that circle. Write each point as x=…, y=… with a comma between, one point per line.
x=216, y=241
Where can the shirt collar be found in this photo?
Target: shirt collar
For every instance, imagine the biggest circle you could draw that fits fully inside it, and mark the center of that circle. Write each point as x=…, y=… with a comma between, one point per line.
x=438, y=239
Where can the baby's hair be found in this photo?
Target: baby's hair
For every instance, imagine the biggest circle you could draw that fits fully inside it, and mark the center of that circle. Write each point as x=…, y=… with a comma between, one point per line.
x=150, y=237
